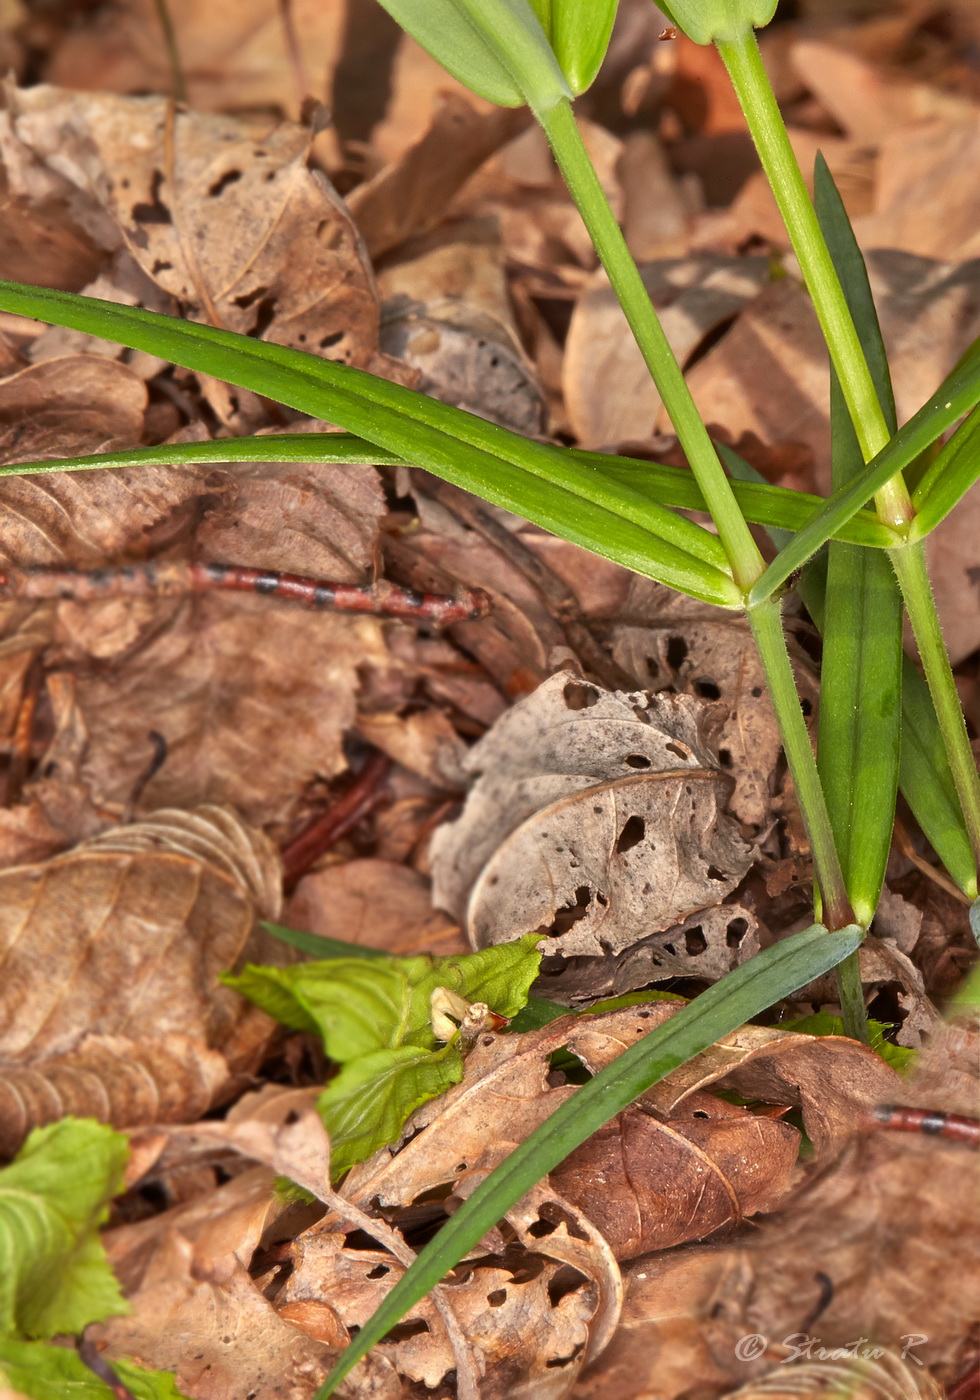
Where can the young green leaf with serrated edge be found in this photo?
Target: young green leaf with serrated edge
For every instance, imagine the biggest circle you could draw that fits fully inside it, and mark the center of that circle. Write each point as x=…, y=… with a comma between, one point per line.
x=44, y=1372
x=54, y=1276
x=375, y=1017
x=770, y=976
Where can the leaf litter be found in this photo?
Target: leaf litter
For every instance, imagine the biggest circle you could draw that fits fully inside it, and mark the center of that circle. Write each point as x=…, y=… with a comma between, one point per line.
x=159, y=750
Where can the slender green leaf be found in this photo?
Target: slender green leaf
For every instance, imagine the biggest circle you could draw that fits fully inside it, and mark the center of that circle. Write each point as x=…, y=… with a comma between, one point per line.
x=765, y=979
x=957, y=395
x=54, y=1276
x=536, y=480
x=926, y=781
x=861, y=668
x=44, y=1372
x=762, y=504
x=947, y=480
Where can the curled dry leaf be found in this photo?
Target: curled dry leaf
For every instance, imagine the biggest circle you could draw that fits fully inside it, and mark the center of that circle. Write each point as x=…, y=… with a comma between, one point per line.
x=886, y=1376
x=237, y=227
x=110, y=1001
x=595, y=816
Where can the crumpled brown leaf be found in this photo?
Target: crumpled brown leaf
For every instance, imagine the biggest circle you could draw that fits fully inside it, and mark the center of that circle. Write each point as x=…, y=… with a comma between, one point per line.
x=111, y=955
x=598, y=810
x=670, y=640
x=238, y=228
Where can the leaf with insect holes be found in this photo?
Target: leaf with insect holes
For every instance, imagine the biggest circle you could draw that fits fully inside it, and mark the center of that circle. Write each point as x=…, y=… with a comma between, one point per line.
x=375, y=1018
x=54, y=1276
x=52, y=1372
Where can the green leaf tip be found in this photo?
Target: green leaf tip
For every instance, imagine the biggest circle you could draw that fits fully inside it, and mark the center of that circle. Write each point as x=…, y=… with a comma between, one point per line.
x=713, y=21
x=578, y=31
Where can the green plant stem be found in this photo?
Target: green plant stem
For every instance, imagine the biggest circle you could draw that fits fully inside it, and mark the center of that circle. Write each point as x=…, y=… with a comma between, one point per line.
x=767, y=628
x=583, y=183
x=913, y=578
x=743, y=60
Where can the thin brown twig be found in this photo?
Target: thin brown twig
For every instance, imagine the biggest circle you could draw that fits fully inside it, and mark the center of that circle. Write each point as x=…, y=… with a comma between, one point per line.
x=339, y=818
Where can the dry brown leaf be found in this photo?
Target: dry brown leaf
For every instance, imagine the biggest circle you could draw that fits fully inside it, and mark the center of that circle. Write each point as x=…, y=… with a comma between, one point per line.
x=923, y=203
x=648, y=1184
x=675, y=641
x=375, y=904
x=597, y=809
x=409, y=197
x=608, y=391
x=121, y=940
x=237, y=227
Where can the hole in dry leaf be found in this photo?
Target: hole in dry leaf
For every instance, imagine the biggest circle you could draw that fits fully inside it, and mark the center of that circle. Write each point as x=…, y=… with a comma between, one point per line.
x=679, y=751
x=715, y=874
x=676, y=652
x=631, y=835
x=379, y=1271
x=700, y=1113
x=497, y=1298
x=571, y=913
x=329, y=340
x=405, y=1330
x=564, y=1360
x=219, y=186
x=566, y=1280
x=155, y=213
x=540, y=1228
x=737, y=930
x=636, y=760
x=669, y=948
x=578, y=696
x=707, y=689
x=652, y=665
x=695, y=941
x=725, y=758
x=756, y=691
x=248, y=299
x=160, y=265
x=602, y=899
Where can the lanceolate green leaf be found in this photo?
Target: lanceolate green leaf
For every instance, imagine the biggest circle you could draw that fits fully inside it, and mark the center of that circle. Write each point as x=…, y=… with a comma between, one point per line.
x=666, y=486
x=765, y=979
x=538, y=481
x=948, y=478
x=958, y=394
x=861, y=669
x=578, y=31
x=496, y=48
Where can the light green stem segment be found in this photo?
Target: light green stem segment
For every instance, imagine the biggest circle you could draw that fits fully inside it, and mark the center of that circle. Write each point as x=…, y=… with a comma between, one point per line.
x=758, y=101
x=743, y=555
x=767, y=628
x=913, y=578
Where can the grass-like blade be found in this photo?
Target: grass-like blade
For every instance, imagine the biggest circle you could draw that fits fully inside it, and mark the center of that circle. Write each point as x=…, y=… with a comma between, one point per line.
x=957, y=395
x=765, y=979
x=762, y=504
x=537, y=481
x=861, y=668
x=949, y=477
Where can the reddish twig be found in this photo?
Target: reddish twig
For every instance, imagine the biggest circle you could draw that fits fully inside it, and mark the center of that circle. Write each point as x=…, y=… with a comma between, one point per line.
x=142, y=580
x=932, y=1123
x=339, y=818
x=23, y=735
